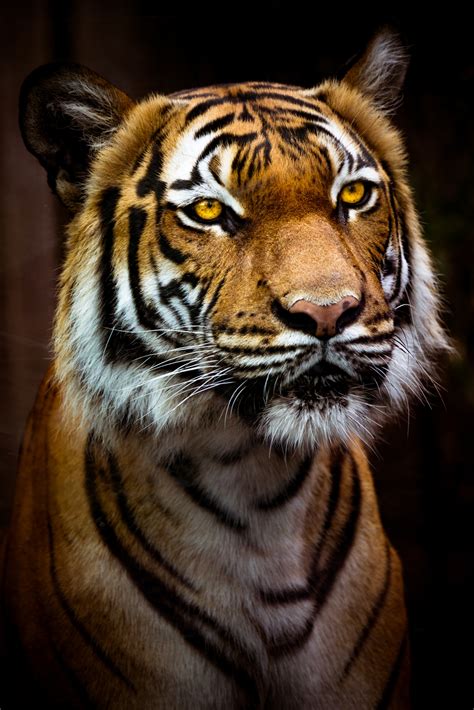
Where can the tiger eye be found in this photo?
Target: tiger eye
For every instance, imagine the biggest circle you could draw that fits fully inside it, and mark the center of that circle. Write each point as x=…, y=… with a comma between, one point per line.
x=353, y=193
x=208, y=210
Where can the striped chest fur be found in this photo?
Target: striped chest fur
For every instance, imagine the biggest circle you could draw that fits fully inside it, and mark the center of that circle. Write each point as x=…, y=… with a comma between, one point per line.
x=244, y=554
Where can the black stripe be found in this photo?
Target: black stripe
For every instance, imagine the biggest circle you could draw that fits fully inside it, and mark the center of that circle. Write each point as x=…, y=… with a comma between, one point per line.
x=258, y=351
x=214, y=297
x=316, y=117
x=287, y=596
x=184, y=185
x=333, y=500
x=386, y=190
x=152, y=181
x=224, y=140
x=178, y=612
x=294, y=137
x=165, y=298
x=173, y=289
x=202, y=108
x=74, y=681
x=378, y=317
x=130, y=521
x=127, y=347
x=298, y=136
x=233, y=457
x=238, y=163
x=321, y=582
x=215, y=175
x=215, y=125
x=242, y=97
x=384, y=701
x=374, y=614
x=402, y=315
x=188, y=94
x=288, y=644
x=149, y=181
x=190, y=278
x=184, y=471
x=273, y=85
x=287, y=98
x=117, y=345
x=401, y=221
x=405, y=243
x=170, y=252
x=346, y=538
x=108, y=295
x=367, y=339
x=244, y=330
x=87, y=637
x=323, y=153
x=245, y=115
x=291, y=489
x=370, y=161
x=398, y=279
x=147, y=317
x=139, y=160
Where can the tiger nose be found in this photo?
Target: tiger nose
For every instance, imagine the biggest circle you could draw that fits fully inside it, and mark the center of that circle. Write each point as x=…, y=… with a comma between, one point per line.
x=329, y=320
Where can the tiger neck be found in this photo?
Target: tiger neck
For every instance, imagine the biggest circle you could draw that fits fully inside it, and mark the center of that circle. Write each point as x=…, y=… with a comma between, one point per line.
x=239, y=490
x=245, y=528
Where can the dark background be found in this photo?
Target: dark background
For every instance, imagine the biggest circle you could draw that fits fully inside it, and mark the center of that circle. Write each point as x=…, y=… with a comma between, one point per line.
x=424, y=469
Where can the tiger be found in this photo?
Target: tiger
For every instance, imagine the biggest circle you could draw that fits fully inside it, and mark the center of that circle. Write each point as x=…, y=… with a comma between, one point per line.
x=245, y=299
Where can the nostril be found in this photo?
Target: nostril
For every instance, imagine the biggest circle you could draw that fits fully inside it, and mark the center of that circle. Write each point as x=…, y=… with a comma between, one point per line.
x=295, y=320
x=351, y=307
x=324, y=321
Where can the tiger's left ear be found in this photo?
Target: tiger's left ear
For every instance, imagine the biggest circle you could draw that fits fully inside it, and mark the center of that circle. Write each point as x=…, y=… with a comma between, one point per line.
x=380, y=72
x=67, y=113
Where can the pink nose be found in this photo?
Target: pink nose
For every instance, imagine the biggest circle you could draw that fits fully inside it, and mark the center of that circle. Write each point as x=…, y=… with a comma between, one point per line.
x=327, y=318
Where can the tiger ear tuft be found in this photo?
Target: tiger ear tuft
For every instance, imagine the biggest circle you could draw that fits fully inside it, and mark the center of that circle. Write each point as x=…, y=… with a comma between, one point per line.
x=380, y=72
x=67, y=113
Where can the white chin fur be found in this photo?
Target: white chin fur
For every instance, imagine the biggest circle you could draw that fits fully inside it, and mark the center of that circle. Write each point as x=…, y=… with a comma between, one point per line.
x=291, y=425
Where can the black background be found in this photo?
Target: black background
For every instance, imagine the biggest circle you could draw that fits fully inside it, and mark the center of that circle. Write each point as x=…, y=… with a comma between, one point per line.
x=424, y=469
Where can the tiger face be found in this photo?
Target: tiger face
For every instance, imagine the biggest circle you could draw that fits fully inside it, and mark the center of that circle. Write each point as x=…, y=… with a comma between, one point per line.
x=247, y=253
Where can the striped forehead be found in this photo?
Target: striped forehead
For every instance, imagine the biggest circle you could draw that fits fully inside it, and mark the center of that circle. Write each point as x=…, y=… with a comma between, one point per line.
x=219, y=129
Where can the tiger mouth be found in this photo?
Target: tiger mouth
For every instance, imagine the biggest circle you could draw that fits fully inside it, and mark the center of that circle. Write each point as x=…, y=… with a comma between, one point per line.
x=319, y=384
x=319, y=388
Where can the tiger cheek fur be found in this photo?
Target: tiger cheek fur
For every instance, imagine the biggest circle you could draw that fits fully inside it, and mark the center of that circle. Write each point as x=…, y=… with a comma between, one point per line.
x=245, y=299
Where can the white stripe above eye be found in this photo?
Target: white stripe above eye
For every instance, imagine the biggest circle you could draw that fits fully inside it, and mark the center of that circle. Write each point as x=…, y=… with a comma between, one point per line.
x=181, y=166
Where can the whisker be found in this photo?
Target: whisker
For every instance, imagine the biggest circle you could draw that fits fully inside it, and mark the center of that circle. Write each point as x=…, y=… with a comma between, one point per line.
x=191, y=364
x=229, y=404
x=177, y=386
x=168, y=331
x=203, y=388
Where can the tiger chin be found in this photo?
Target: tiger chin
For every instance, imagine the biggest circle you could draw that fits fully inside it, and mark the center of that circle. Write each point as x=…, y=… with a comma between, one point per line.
x=245, y=299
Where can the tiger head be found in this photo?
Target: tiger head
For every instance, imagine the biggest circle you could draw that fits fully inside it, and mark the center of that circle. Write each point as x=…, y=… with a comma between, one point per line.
x=247, y=253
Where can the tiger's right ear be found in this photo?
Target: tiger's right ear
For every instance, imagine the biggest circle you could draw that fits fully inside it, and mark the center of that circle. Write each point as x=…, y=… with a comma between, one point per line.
x=67, y=113
x=380, y=72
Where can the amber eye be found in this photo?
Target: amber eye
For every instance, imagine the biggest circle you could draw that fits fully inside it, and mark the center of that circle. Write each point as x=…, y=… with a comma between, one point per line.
x=354, y=193
x=208, y=210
